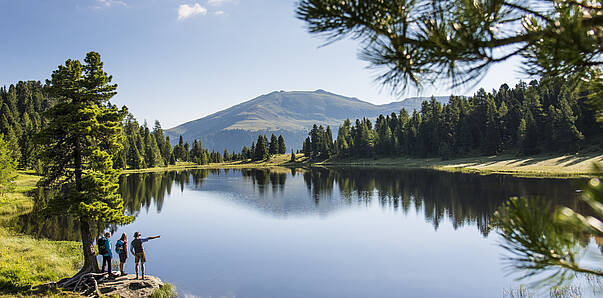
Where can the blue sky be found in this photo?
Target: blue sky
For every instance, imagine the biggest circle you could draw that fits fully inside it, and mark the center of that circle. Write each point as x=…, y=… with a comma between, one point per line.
x=176, y=60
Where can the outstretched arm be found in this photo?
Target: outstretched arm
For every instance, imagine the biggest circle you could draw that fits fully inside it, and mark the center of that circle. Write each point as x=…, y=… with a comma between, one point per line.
x=154, y=237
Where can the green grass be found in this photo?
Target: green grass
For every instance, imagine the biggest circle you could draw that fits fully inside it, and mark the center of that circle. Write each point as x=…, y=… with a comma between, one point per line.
x=166, y=291
x=559, y=166
x=18, y=202
x=26, y=261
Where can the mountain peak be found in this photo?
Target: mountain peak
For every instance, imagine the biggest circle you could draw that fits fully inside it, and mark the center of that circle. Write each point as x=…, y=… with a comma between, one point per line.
x=290, y=113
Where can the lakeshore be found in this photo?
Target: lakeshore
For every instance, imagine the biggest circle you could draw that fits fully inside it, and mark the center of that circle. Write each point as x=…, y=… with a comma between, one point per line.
x=27, y=261
x=557, y=166
x=28, y=264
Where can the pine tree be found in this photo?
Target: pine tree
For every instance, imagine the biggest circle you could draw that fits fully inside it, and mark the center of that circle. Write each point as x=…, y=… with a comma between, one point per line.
x=273, y=147
x=328, y=139
x=134, y=159
x=172, y=159
x=261, y=152
x=282, y=148
x=13, y=144
x=569, y=137
x=186, y=152
x=307, y=147
x=83, y=132
x=491, y=138
x=422, y=41
x=522, y=133
x=7, y=168
x=246, y=153
x=152, y=154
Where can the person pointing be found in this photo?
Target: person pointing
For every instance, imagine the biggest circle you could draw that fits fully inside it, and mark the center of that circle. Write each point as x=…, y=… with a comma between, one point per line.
x=137, y=250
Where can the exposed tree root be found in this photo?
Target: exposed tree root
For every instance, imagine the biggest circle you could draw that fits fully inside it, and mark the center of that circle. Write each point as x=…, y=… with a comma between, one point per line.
x=85, y=284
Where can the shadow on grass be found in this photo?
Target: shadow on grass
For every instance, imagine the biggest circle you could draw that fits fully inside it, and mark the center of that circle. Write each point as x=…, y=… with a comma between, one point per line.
x=573, y=160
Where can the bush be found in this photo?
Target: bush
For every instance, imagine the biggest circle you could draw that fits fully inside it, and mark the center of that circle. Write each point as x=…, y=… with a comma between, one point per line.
x=166, y=291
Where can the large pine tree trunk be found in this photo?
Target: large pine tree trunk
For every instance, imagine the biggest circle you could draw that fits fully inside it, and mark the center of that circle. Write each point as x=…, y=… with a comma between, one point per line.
x=90, y=262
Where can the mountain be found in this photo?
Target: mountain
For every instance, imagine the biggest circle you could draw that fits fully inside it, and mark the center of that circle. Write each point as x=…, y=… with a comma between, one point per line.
x=291, y=114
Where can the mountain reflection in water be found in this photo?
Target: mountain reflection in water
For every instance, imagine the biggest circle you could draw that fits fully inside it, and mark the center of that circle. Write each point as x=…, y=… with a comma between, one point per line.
x=464, y=199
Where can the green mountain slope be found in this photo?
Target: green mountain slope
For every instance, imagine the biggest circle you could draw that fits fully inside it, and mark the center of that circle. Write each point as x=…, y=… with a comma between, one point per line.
x=291, y=114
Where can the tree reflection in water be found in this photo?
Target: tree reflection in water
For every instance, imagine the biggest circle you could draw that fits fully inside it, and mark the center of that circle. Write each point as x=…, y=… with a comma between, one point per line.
x=463, y=199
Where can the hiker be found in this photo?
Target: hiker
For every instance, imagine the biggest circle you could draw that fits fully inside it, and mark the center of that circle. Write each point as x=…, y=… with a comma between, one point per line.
x=104, y=249
x=138, y=250
x=121, y=247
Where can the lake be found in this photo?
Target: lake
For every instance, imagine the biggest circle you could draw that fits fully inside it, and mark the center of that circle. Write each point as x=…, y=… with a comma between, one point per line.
x=322, y=232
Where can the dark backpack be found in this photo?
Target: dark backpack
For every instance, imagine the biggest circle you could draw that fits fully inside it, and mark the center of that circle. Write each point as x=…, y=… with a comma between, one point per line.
x=137, y=245
x=102, y=249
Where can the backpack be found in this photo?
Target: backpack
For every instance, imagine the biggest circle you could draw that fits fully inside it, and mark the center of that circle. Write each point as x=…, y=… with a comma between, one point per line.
x=119, y=247
x=137, y=245
x=102, y=249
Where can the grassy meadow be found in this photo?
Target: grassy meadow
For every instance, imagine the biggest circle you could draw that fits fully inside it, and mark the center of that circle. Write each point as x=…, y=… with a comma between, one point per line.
x=575, y=165
x=24, y=260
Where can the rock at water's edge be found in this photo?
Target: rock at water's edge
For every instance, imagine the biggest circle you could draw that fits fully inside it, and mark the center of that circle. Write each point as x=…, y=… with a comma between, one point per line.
x=129, y=286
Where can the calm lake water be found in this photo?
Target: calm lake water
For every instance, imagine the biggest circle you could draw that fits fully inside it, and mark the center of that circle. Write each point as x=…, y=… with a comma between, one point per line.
x=324, y=232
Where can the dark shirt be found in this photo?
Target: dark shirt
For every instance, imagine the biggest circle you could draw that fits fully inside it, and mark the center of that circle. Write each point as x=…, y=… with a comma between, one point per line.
x=137, y=244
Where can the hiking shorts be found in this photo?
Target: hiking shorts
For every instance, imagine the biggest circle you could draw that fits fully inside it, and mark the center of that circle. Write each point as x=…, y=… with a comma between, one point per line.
x=122, y=258
x=139, y=257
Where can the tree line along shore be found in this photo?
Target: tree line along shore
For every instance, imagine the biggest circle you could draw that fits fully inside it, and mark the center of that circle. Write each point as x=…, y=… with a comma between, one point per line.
x=28, y=264
x=532, y=129
x=544, y=166
x=546, y=117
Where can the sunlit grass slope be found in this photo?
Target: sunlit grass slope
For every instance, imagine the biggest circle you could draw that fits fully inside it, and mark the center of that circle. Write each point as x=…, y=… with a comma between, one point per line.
x=24, y=260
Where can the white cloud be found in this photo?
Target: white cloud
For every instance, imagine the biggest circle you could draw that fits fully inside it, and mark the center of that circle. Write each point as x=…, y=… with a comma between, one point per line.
x=219, y=12
x=109, y=3
x=186, y=11
x=217, y=2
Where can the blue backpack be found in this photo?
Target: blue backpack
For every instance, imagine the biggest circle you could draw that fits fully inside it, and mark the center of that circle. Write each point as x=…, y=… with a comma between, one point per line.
x=119, y=247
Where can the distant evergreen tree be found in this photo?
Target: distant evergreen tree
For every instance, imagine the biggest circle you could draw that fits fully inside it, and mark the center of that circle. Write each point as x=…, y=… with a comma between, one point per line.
x=246, y=152
x=292, y=156
x=185, y=152
x=134, y=159
x=505, y=120
x=7, y=168
x=273, y=147
x=152, y=153
x=307, y=147
x=282, y=148
x=163, y=143
x=328, y=139
x=226, y=155
x=261, y=152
